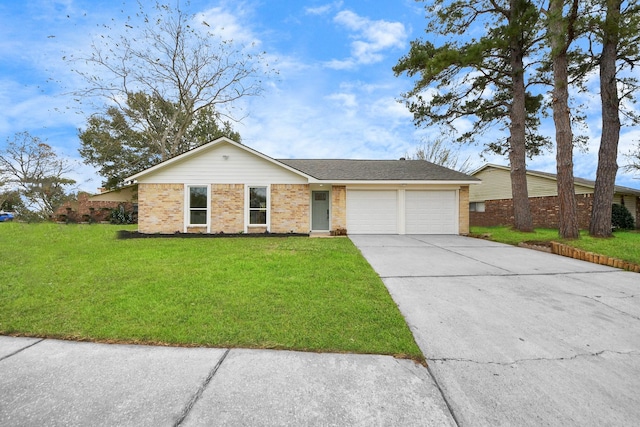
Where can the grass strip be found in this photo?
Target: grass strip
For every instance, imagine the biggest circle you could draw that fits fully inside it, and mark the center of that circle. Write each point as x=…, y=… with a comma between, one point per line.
x=624, y=245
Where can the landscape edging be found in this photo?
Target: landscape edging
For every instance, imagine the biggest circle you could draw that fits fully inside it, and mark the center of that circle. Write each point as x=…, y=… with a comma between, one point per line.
x=571, y=252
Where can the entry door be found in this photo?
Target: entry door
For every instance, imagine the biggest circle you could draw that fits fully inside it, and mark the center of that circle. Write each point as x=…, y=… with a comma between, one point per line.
x=320, y=210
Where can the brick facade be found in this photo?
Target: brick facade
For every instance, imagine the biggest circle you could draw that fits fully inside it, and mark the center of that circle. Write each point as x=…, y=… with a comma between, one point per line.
x=463, y=208
x=161, y=208
x=338, y=208
x=544, y=210
x=227, y=208
x=290, y=207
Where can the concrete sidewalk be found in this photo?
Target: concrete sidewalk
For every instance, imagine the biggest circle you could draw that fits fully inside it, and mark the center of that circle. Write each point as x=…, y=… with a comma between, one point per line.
x=62, y=383
x=514, y=336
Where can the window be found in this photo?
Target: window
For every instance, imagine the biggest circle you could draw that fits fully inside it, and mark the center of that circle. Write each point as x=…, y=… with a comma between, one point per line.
x=198, y=205
x=257, y=205
x=476, y=207
x=320, y=196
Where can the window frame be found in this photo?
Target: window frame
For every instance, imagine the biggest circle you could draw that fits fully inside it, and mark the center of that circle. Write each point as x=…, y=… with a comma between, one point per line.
x=249, y=209
x=477, y=206
x=188, y=208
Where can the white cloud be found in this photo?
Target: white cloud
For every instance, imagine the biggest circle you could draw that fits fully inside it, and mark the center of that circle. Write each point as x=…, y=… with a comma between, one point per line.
x=228, y=23
x=336, y=64
x=371, y=39
x=346, y=100
x=390, y=108
x=324, y=9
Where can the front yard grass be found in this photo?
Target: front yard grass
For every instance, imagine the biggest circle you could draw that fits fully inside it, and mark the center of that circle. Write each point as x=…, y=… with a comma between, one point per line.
x=624, y=245
x=79, y=282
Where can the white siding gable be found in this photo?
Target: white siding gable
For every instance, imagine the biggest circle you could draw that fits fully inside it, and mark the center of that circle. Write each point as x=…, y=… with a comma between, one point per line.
x=223, y=164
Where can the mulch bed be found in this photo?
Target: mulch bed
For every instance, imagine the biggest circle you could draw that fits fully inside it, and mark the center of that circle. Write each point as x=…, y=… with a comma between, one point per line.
x=126, y=234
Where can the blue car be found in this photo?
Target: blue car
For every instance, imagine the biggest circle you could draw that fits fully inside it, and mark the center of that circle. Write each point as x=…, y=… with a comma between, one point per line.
x=6, y=216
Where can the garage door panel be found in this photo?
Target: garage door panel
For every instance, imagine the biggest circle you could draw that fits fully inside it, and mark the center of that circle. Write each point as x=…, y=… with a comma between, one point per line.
x=372, y=212
x=430, y=212
x=425, y=212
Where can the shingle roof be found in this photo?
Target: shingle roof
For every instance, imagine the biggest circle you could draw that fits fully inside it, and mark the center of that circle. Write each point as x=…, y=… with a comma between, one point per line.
x=375, y=170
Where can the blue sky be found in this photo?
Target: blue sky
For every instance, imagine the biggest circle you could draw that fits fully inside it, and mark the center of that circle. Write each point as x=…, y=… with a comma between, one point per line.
x=335, y=95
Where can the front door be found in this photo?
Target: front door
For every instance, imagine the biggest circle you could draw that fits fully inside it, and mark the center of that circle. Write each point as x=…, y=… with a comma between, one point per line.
x=319, y=210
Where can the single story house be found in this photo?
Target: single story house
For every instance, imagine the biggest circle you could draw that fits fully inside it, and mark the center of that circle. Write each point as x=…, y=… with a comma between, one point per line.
x=491, y=203
x=227, y=187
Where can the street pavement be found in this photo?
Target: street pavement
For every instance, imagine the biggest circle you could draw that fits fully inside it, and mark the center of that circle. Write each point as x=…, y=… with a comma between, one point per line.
x=514, y=336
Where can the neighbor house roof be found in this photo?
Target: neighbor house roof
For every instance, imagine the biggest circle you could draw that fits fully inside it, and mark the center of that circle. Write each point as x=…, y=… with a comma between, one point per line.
x=375, y=170
x=579, y=181
x=126, y=193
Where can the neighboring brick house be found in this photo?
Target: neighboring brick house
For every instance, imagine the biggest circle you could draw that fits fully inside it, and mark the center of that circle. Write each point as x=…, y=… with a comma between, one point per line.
x=227, y=187
x=491, y=203
x=98, y=207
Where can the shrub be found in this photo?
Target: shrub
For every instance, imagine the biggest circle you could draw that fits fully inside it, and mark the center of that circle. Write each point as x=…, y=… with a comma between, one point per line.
x=621, y=218
x=120, y=216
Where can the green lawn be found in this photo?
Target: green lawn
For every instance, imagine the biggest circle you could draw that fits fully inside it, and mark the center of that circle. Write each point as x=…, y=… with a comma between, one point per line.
x=624, y=245
x=80, y=282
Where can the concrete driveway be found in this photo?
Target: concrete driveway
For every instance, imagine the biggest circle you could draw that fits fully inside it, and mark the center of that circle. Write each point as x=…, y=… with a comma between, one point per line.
x=514, y=336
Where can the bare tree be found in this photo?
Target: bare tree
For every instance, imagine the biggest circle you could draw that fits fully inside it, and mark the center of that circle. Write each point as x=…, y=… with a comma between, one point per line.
x=633, y=159
x=171, y=57
x=439, y=152
x=31, y=167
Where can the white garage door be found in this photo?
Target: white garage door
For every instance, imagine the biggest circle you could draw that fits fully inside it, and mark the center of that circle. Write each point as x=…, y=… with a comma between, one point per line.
x=372, y=212
x=430, y=212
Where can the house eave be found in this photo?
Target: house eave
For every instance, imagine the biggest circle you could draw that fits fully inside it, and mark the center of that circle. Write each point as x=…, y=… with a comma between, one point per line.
x=391, y=182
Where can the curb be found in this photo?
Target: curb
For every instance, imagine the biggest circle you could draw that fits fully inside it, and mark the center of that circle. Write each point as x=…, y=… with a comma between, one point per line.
x=571, y=252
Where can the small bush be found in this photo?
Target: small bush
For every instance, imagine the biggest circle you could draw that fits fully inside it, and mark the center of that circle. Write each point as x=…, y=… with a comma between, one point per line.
x=621, y=218
x=120, y=216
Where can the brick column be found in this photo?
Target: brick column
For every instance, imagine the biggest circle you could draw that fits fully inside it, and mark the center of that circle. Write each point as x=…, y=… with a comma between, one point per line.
x=463, y=208
x=338, y=207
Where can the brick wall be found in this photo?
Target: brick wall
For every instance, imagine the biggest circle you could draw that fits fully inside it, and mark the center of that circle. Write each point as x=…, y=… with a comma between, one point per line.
x=463, y=208
x=544, y=210
x=227, y=208
x=290, y=208
x=161, y=208
x=85, y=210
x=339, y=207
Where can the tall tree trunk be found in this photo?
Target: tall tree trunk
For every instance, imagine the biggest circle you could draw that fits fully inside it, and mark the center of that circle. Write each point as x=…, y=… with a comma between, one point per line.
x=568, y=220
x=600, y=225
x=517, y=137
